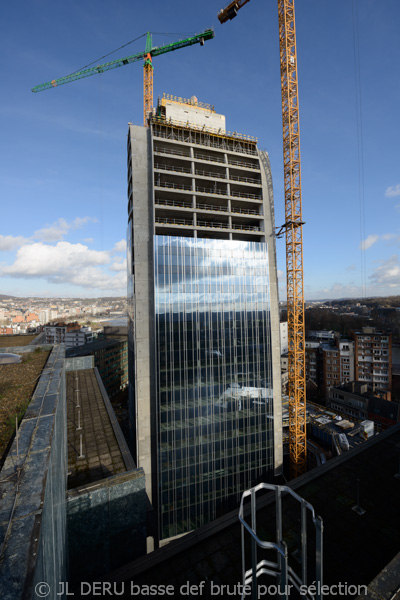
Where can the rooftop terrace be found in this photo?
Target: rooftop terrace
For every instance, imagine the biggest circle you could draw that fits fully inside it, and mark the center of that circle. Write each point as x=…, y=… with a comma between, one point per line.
x=356, y=548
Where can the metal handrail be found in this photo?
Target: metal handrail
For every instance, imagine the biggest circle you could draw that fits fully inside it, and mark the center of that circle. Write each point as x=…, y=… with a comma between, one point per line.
x=210, y=144
x=165, y=202
x=209, y=159
x=210, y=174
x=244, y=211
x=210, y=207
x=246, y=195
x=280, y=568
x=174, y=169
x=244, y=179
x=203, y=129
x=246, y=227
x=239, y=163
x=173, y=186
x=211, y=191
x=170, y=151
x=165, y=221
x=213, y=225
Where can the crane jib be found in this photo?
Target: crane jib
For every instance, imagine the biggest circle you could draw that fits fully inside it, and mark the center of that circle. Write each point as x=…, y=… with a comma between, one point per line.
x=208, y=34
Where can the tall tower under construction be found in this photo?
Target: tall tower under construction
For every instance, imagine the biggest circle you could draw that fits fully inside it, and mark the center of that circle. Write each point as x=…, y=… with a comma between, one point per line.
x=204, y=352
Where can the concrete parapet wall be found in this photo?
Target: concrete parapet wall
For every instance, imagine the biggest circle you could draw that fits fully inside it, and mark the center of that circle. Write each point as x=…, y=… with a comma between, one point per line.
x=106, y=524
x=32, y=491
x=25, y=349
x=79, y=363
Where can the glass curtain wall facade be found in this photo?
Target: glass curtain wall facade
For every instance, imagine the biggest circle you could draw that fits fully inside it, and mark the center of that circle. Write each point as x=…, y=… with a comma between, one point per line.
x=213, y=376
x=205, y=408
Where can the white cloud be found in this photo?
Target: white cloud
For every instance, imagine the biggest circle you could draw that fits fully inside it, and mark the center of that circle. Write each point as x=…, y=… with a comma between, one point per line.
x=335, y=291
x=351, y=268
x=66, y=263
x=52, y=233
x=119, y=265
x=393, y=191
x=10, y=242
x=120, y=246
x=388, y=273
x=280, y=274
x=59, y=229
x=370, y=241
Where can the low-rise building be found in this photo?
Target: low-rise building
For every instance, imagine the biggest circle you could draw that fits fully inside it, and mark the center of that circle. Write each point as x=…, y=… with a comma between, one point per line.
x=110, y=358
x=354, y=400
x=79, y=337
x=55, y=332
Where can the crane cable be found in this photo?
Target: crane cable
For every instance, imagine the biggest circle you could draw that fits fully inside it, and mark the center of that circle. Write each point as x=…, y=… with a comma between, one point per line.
x=109, y=54
x=360, y=146
x=127, y=44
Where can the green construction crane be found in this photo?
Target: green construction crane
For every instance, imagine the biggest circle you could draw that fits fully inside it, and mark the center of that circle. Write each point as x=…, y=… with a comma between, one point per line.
x=147, y=55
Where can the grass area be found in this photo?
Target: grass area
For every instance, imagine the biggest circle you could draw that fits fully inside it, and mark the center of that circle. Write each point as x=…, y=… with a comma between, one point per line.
x=6, y=341
x=17, y=384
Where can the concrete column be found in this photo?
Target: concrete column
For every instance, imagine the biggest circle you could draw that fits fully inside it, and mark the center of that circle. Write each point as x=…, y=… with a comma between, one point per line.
x=143, y=233
x=269, y=224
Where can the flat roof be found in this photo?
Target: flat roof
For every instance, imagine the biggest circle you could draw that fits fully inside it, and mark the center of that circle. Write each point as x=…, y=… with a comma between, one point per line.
x=356, y=548
x=96, y=344
x=96, y=446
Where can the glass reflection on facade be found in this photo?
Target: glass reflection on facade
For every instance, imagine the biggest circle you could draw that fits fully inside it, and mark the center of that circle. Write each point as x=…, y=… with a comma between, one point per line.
x=213, y=376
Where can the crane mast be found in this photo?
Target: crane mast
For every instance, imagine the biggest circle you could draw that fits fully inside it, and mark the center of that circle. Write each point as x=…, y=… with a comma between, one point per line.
x=294, y=237
x=147, y=81
x=292, y=228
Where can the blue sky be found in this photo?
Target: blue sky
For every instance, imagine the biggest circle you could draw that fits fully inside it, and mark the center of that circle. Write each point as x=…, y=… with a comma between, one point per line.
x=63, y=167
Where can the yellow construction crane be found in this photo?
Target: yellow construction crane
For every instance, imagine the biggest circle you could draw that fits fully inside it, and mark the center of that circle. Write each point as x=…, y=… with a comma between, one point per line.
x=293, y=228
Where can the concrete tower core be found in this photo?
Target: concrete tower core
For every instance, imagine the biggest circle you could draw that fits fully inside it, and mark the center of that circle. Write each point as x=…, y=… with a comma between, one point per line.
x=204, y=351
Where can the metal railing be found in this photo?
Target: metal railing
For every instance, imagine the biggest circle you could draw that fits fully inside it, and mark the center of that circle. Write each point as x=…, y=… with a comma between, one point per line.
x=209, y=158
x=239, y=163
x=244, y=179
x=246, y=195
x=208, y=224
x=221, y=145
x=173, y=186
x=165, y=202
x=244, y=211
x=165, y=221
x=213, y=225
x=170, y=151
x=202, y=129
x=174, y=169
x=210, y=174
x=243, y=227
x=280, y=568
x=209, y=207
x=214, y=190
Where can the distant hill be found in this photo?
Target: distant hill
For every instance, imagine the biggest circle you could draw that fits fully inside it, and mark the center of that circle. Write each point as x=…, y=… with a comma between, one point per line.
x=374, y=301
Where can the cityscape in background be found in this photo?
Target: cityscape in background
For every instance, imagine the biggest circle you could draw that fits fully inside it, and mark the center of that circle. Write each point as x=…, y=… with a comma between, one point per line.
x=201, y=430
